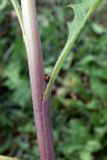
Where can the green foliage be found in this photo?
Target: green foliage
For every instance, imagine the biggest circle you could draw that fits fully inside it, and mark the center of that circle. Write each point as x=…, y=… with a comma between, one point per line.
x=82, y=11
x=79, y=101
x=3, y=4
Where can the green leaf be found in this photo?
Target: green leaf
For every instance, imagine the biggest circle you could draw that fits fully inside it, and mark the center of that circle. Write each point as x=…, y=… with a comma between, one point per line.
x=82, y=11
x=99, y=88
x=3, y=4
x=99, y=29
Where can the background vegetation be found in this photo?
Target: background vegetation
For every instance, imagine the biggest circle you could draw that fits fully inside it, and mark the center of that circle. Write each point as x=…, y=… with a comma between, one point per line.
x=79, y=101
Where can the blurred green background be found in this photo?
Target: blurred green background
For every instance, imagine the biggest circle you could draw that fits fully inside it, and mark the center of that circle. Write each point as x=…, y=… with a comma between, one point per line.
x=79, y=97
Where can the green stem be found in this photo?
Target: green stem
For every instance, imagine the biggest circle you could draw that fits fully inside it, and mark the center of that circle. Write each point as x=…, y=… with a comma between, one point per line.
x=57, y=67
x=18, y=10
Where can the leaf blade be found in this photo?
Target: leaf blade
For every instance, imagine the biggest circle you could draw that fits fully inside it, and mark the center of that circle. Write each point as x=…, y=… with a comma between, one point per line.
x=82, y=12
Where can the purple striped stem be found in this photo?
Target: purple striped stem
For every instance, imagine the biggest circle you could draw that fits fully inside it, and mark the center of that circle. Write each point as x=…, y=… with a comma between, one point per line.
x=37, y=80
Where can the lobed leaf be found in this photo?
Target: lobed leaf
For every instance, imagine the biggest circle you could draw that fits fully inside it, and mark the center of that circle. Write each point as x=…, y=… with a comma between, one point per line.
x=82, y=11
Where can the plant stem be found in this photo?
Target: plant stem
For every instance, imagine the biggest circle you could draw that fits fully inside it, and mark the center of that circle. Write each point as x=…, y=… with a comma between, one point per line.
x=37, y=79
x=17, y=8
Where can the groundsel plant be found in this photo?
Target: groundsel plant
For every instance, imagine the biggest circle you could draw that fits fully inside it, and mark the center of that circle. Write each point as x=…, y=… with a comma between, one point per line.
x=41, y=92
